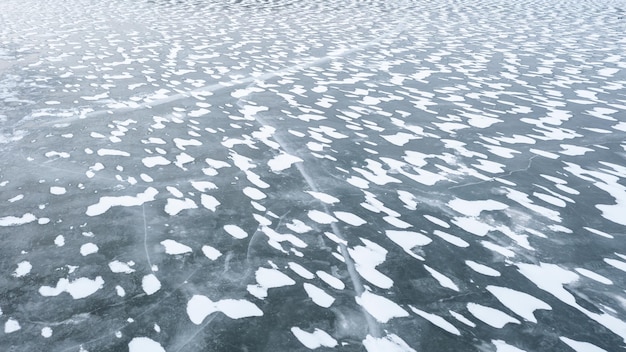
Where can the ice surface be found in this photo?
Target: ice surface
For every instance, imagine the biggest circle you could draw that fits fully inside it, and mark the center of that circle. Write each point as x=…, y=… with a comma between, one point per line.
x=284, y=176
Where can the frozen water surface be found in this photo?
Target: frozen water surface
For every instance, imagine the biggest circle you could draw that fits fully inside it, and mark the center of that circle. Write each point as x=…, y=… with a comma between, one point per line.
x=312, y=175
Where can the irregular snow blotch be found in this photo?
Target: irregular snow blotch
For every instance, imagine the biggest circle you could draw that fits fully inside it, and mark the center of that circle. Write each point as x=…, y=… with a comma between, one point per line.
x=209, y=202
x=173, y=247
x=150, y=284
x=144, y=344
x=282, y=162
x=389, y=343
x=15, y=221
x=11, y=325
x=315, y=339
x=199, y=307
x=79, y=288
x=366, y=258
x=88, y=248
x=106, y=203
x=23, y=269
x=46, y=332
x=175, y=206
x=381, y=308
x=118, y=267
x=152, y=161
x=203, y=186
x=407, y=240
x=298, y=226
x=491, y=316
x=520, y=303
x=182, y=143
x=268, y=278
x=475, y=207
x=59, y=241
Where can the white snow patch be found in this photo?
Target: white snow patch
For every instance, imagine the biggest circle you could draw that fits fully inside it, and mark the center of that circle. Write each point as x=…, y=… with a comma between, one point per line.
x=111, y=152
x=457, y=241
x=282, y=162
x=442, y=279
x=79, y=288
x=518, y=302
x=407, y=240
x=381, y=308
x=11, y=325
x=152, y=161
x=475, y=207
x=235, y=231
x=23, y=269
x=323, y=197
x=119, y=267
x=254, y=193
x=211, y=252
x=105, y=203
x=150, y=284
x=312, y=340
x=56, y=190
x=482, y=269
x=203, y=186
x=88, y=248
x=437, y=221
x=491, y=316
x=209, y=202
x=15, y=221
x=349, y=218
x=330, y=280
x=502, y=346
x=366, y=258
x=199, y=307
x=594, y=276
x=319, y=296
x=175, y=206
x=580, y=346
x=300, y=270
x=173, y=247
x=144, y=344
x=268, y=278
x=437, y=321
x=320, y=217
x=389, y=343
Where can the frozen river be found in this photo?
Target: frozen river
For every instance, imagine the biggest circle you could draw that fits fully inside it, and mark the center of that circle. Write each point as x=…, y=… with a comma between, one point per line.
x=330, y=175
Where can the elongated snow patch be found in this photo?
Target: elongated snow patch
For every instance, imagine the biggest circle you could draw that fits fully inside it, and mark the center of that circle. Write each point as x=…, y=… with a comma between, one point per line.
x=199, y=307
x=106, y=203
